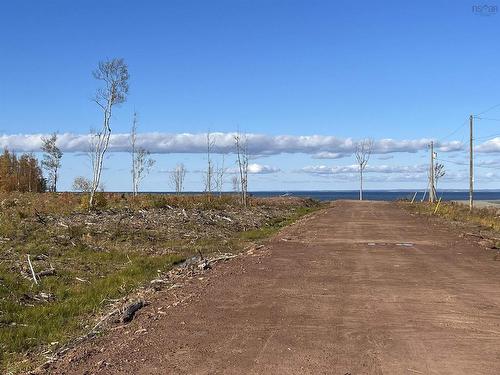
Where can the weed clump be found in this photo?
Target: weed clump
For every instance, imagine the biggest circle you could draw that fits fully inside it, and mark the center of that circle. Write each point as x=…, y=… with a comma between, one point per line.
x=486, y=217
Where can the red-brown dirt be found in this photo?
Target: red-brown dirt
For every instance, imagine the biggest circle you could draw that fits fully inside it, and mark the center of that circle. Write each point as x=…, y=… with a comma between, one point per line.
x=357, y=288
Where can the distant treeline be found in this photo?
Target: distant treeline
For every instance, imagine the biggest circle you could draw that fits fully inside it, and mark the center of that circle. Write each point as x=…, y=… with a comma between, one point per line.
x=21, y=173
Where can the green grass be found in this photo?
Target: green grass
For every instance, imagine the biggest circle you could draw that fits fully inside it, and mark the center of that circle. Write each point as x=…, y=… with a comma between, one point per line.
x=277, y=224
x=24, y=327
x=112, y=257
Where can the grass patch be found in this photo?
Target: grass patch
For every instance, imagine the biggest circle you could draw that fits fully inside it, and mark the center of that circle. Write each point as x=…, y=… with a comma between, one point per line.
x=26, y=324
x=275, y=225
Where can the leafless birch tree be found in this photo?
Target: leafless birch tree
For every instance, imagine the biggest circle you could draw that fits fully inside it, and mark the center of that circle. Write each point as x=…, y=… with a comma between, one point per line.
x=82, y=184
x=209, y=174
x=114, y=75
x=177, y=178
x=363, y=152
x=438, y=173
x=141, y=162
x=236, y=184
x=220, y=172
x=51, y=160
x=242, y=160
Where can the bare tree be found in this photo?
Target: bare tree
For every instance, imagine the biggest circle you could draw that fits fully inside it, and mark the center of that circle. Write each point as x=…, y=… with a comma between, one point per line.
x=220, y=171
x=438, y=173
x=236, y=184
x=177, y=177
x=209, y=174
x=242, y=160
x=51, y=160
x=114, y=74
x=143, y=165
x=363, y=152
x=141, y=162
x=82, y=184
x=133, y=151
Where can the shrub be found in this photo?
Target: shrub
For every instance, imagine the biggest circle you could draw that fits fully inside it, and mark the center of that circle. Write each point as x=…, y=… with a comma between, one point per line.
x=100, y=201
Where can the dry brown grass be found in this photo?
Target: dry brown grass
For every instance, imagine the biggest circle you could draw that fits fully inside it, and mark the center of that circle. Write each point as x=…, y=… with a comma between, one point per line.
x=488, y=218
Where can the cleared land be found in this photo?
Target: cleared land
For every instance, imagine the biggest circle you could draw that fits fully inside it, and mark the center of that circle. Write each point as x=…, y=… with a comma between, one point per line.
x=90, y=263
x=358, y=288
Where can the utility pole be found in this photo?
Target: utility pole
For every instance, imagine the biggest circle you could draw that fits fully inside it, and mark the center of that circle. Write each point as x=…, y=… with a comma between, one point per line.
x=432, y=190
x=471, y=166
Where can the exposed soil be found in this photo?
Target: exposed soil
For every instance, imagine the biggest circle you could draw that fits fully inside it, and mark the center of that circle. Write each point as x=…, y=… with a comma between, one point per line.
x=358, y=288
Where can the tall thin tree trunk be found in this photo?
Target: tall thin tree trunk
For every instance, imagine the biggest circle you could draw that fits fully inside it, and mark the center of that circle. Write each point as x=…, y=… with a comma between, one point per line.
x=103, y=144
x=361, y=185
x=55, y=180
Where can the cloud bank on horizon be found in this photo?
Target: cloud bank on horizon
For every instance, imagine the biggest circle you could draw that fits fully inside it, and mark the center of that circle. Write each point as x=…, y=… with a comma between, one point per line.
x=392, y=173
x=354, y=168
x=329, y=149
x=319, y=146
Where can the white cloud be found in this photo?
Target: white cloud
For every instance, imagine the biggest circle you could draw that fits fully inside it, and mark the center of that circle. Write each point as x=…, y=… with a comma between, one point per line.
x=493, y=145
x=450, y=146
x=261, y=169
x=488, y=163
x=491, y=176
x=258, y=144
x=398, y=173
x=392, y=174
x=329, y=155
x=386, y=146
x=354, y=168
x=255, y=168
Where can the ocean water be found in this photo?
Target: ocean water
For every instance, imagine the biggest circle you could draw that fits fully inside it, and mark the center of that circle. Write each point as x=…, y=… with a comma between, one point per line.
x=376, y=195
x=382, y=195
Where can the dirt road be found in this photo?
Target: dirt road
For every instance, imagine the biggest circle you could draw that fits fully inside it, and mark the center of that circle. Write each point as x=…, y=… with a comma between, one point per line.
x=359, y=288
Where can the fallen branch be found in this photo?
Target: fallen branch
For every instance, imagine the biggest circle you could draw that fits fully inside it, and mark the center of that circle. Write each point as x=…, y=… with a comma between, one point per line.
x=45, y=297
x=106, y=317
x=32, y=271
x=49, y=272
x=39, y=217
x=129, y=311
x=201, y=254
x=222, y=257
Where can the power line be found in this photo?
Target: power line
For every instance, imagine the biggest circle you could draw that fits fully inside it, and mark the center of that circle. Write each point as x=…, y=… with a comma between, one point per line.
x=455, y=131
x=466, y=164
x=489, y=109
x=487, y=137
x=451, y=161
x=486, y=118
x=471, y=163
x=487, y=167
x=465, y=123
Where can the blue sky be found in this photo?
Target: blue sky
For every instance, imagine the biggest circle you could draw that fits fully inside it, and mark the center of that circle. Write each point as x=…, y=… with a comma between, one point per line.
x=398, y=70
